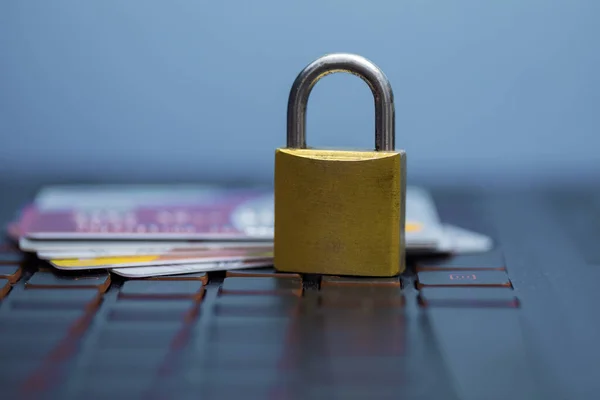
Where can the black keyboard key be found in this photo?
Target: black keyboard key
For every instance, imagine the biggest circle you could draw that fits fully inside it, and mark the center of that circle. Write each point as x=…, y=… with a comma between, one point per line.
x=28, y=347
x=259, y=273
x=234, y=355
x=373, y=298
x=261, y=306
x=36, y=322
x=352, y=281
x=11, y=272
x=213, y=387
x=10, y=258
x=250, y=330
x=493, y=260
x=199, y=276
x=144, y=310
x=96, y=387
x=14, y=374
x=463, y=278
x=4, y=287
x=17, y=347
x=52, y=299
x=362, y=293
x=364, y=334
x=368, y=372
x=155, y=289
x=57, y=280
x=118, y=359
x=140, y=335
x=354, y=391
x=468, y=297
x=238, y=383
x=267, y=285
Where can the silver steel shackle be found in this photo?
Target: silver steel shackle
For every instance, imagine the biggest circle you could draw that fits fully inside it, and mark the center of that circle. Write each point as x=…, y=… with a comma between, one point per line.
x=385, y=135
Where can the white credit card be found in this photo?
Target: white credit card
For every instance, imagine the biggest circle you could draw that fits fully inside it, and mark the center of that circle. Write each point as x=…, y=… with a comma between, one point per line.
x=422, y=213
x=31, y=245
x=173, y=257
x=127, y=251
x=164, y=270
x=461, y=241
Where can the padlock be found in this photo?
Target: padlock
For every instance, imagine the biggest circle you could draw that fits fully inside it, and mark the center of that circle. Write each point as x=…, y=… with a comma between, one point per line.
x=340, y=212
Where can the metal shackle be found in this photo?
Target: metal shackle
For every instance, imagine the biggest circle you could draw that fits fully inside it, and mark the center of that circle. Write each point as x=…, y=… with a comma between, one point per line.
x=385, y=135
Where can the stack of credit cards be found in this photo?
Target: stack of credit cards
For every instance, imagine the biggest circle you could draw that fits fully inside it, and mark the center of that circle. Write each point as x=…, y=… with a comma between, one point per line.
x=154, y=230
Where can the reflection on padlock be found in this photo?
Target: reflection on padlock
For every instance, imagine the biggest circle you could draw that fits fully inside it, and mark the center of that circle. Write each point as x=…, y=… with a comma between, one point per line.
x=340, y=212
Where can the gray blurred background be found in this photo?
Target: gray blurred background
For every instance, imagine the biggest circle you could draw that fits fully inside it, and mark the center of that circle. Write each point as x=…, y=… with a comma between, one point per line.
x=487, y=92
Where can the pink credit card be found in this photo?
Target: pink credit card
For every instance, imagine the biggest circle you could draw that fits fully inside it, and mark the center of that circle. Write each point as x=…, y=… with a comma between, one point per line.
x=150, y=212
x=14, y=230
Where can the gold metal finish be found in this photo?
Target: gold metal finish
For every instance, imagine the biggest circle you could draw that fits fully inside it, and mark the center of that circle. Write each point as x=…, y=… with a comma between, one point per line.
x=339, y=212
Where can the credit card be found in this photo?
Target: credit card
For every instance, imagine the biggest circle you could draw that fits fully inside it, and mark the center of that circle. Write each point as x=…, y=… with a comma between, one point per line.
x=94, y=248
x=15, y=229
x=179, y=212
x=151, y=212
x=151, y=249
x=32, y=245
x=162, y=259
x=144, y=272
x=423, y=226
x=464, y=241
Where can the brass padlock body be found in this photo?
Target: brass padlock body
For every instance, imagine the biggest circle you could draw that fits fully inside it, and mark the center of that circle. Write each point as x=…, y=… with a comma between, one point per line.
x=340, y=212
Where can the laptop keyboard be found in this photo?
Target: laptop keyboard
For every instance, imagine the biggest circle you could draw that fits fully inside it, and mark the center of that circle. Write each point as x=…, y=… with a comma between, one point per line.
x=257, y=333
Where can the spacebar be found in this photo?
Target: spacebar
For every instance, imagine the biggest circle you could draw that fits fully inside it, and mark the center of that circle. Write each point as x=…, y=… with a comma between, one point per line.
x=486, y=353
